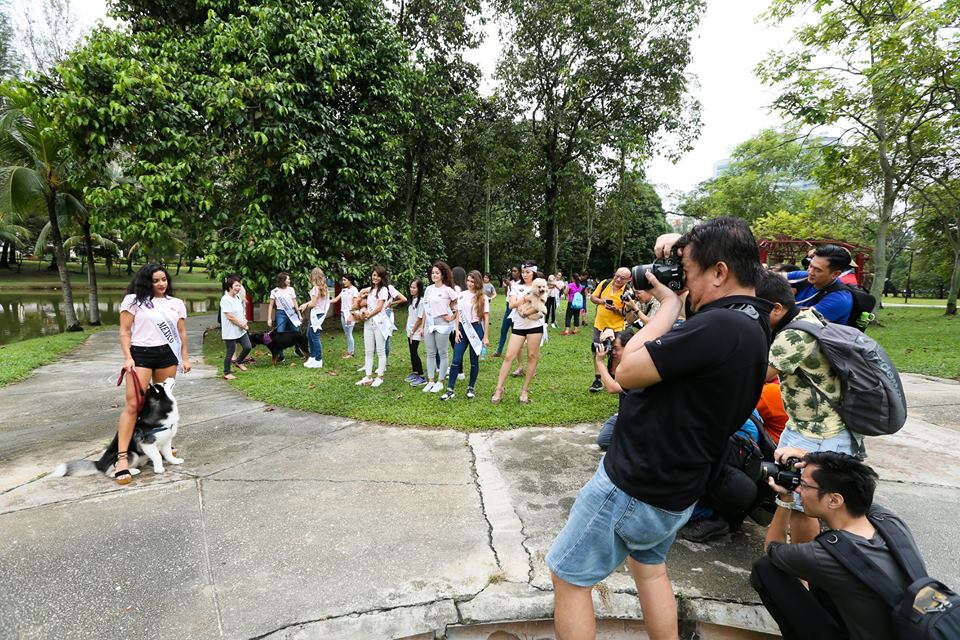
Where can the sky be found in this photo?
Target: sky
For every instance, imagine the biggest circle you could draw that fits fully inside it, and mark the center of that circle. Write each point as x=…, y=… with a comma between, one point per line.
x=728, y=45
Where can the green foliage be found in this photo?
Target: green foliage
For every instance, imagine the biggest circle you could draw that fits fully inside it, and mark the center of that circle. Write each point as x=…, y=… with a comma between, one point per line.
x=793, y=225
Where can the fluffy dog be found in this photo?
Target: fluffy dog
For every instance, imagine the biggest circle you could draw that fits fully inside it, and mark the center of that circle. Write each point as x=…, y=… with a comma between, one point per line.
x=277, y=341
x=152, y=437
x=359, y=304
x=534, y=303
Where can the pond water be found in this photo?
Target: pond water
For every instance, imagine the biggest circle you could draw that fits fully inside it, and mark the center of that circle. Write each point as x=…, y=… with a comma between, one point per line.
x=29, y=315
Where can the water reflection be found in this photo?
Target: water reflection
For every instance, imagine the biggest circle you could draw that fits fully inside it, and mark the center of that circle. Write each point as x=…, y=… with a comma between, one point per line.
x=29, y=315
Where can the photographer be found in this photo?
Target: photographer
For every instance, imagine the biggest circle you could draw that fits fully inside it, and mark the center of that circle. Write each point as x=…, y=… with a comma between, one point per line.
x=838, y=489
x=685, y=392
x=610, y=346
x=608, y=298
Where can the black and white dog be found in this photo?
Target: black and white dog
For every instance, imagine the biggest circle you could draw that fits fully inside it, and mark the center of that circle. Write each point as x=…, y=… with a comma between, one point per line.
x=152, y=437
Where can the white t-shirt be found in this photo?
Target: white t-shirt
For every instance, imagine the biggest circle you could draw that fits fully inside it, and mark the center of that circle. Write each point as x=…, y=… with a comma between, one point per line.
x=289, y=294
x=234, y=306
x=319, y=310
x=144, y=332
x=558, y=286
x=347, y=296
x=414, y=311
x=437, y=304
x=518, y=290
x=374, y=295
x=469, y=314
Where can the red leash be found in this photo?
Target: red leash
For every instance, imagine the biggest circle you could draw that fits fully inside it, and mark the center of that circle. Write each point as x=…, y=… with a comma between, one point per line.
x=141, y=396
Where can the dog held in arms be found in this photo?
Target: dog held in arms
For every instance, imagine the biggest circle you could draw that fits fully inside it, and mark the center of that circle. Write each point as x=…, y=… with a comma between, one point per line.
x=152, y=437
x=533, y=305
x=277, y=341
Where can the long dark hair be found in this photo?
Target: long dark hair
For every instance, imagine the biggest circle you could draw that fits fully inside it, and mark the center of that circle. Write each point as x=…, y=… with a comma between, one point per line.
x=446, y=276
x=384, y=278
x=460, y=278
x=142, y=284
x=415, y=300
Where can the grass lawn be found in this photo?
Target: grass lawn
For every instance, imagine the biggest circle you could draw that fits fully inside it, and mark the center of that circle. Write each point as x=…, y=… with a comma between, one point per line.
x=558, y=393
x=920, y=340
x=939, y=302
x=19, y=359
x=30, y=277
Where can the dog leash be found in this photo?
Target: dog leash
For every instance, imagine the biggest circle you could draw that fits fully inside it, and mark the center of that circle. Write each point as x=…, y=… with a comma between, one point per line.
x=141, y=396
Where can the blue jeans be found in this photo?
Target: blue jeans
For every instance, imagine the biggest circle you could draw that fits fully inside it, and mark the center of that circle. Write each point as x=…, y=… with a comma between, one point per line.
x=348, y=332
x=283, y=324
x=458, y=350
x=605, y=525
x=505, y=327
x=605, y=437
x=316, y=349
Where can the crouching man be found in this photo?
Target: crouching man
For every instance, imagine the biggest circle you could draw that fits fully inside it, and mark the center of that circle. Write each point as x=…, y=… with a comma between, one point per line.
x=838, y=489
x=685, y=392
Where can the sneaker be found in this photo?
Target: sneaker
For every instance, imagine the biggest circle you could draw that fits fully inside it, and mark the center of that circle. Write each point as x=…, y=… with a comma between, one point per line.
x=428, y=387
x=363, y=381
x=553, y=325
x=417, y=381
x=359, y=369
x=461, y=376
x=470, y=393
x=319, y=364
x=596, y=386
x=312, y=363
x=447, y=395
x=704, y=530
x=437, y=387
x=410, y=377
x=377, y=382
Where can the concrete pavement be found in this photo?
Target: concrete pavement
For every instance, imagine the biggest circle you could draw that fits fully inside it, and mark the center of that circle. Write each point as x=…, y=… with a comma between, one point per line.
x=284, y=524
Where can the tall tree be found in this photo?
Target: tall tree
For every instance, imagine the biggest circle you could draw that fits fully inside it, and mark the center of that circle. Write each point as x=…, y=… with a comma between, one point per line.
x=847, y=73
x=589, y=74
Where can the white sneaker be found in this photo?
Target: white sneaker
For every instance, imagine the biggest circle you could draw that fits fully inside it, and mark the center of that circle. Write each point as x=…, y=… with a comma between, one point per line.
x=363, y=368
x=461, y=376
x=437, y=388
x=427, y=388
x=319, y=364
x=377, y=382
x=363, y=381
x=312, y=364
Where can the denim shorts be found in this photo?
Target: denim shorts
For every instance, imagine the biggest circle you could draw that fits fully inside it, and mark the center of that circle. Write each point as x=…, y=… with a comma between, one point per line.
x=605, y=525
x=840, y=443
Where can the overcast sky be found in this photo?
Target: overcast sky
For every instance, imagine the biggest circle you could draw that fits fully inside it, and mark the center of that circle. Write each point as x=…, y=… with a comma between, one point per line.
x=728, y=45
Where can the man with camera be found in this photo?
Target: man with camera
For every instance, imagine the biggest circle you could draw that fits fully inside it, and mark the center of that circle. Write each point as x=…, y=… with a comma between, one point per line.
x=608, y=298
x=838, y=489
x=685, y=392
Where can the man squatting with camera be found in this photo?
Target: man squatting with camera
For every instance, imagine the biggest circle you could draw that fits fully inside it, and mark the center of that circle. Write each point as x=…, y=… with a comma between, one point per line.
x=685, y=392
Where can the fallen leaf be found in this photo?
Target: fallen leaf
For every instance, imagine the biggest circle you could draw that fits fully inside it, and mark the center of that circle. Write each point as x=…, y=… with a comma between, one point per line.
x=313, y=386
x=333, y=373
x=268, y=409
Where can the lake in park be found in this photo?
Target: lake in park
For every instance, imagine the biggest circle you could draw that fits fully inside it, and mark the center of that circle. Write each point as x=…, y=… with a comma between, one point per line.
x=29, y=315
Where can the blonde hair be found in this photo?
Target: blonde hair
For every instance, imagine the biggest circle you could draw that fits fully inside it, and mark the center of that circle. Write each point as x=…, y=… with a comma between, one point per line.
x=478, y=296
x=319, y=280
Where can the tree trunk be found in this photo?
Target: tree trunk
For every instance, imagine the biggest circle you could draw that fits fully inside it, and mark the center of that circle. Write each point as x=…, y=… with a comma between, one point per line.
x=129, y=264
x=591, y=212
x=190, y=264
x=954, y=285
x=549, y=229
x=179, y=264
x=4, y=259
x=486, y=231
x=70, y=313
x=93, y=314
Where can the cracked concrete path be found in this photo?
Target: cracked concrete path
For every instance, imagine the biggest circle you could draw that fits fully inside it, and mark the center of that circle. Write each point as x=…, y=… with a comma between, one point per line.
x=284, y=524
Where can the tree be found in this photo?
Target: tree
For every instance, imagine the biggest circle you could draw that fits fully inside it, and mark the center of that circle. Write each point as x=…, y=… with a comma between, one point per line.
x=587, y=75
x=32, y=154
x=50, y=30
x=848, y=73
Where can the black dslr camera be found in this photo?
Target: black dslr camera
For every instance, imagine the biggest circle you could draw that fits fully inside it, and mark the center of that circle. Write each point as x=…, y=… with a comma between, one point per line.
x=786, y=475
x=668, y=271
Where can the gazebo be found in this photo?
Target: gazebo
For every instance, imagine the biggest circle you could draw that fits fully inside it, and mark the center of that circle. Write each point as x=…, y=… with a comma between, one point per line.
x=787, y=249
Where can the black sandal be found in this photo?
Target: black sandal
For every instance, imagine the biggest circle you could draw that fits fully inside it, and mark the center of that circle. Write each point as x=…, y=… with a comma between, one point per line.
x=123, y=476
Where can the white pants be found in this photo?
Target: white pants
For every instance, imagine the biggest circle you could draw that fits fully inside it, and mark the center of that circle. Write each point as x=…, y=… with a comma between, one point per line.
x=437, y=343
x=374, y=340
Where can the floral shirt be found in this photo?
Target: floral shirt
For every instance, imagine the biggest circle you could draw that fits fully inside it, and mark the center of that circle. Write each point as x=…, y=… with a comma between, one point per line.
x=797, y=357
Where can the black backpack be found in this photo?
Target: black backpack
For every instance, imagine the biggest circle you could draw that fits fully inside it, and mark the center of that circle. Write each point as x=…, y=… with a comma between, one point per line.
x=925, y=610
x=863, y=303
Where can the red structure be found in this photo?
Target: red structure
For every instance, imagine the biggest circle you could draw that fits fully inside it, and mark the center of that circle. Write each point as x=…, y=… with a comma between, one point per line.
x=791, y=250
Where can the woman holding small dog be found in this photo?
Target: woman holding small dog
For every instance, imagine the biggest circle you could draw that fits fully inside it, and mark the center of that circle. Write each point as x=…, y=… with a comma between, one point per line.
x=153, y=340
x=377, y=327
x=233, y=326
x=527, y=328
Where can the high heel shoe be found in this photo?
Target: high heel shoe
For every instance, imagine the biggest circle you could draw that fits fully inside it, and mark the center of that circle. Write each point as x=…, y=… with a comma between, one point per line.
x=497, y=396
x=517, y=372
x=524, y=397
x=123, y=476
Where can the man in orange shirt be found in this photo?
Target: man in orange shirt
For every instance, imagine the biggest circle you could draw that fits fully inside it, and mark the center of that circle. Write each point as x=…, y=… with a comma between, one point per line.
x=772, y=411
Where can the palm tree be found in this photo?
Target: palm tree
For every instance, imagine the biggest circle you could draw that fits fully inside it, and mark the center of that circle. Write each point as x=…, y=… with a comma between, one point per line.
x=10, y=232
x=31, y=157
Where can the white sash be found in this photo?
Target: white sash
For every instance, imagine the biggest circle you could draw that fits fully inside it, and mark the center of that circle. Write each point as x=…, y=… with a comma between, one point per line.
x=319, y=313
x=284, y=303
x=384, y=324
x=468, y=329
x=170, y=334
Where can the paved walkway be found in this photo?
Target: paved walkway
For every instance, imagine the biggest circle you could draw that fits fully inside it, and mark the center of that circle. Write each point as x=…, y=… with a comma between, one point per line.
x=283, y=524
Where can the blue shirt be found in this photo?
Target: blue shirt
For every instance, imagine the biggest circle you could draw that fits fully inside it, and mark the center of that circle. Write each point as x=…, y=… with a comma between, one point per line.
x=834, y=307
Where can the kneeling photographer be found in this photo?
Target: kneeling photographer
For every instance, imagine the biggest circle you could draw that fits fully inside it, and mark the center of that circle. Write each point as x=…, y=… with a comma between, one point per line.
x=859, y=572
x=610, y=346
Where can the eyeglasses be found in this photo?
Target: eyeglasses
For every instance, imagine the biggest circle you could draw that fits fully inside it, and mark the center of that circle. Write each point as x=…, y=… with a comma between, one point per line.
x=806, y=485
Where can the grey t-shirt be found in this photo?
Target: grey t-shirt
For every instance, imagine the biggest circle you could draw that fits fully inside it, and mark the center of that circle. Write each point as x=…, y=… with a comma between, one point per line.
x=488, y=290
x=865, y=614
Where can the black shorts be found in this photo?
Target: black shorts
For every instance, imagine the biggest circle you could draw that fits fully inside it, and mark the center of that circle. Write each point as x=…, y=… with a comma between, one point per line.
x=153, y=357
x=527, y=332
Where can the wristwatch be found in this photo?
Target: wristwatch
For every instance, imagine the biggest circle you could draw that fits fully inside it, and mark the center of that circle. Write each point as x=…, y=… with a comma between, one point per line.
x=785, y=503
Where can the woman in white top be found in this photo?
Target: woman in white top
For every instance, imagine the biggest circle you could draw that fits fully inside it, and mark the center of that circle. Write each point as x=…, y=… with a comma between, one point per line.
x=153, y=339
x=439, y=322
x=318, y=304
x=473, y=314
x=527, y=330
x=376, y=327
x=233, y=326
x=283, y=302
x=415, y=333
x=347, y=295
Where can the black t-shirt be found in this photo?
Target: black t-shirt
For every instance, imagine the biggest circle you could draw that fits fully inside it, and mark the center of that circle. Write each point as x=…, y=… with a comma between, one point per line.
x=669, y=435
x=863, y=612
